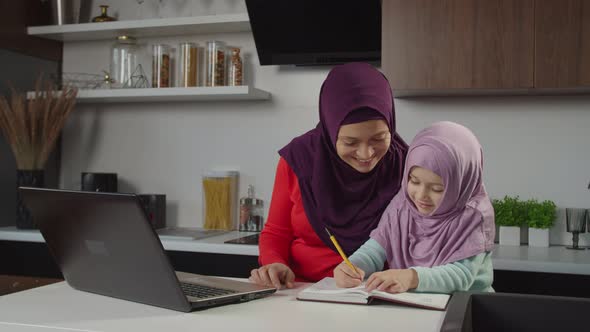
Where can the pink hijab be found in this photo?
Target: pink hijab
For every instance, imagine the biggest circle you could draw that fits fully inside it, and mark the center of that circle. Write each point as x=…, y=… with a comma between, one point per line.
x=462, y=226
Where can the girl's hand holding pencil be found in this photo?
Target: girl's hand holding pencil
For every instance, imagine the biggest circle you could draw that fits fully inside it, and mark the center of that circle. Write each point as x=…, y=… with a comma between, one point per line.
x=346, y=277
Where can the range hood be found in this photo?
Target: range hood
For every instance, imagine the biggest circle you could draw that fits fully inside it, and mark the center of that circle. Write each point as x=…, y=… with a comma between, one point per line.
x=316, y=32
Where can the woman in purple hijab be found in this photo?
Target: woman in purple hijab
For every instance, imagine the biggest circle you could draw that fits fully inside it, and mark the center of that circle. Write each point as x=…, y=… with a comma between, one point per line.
x=338, y=176
x=437, y=233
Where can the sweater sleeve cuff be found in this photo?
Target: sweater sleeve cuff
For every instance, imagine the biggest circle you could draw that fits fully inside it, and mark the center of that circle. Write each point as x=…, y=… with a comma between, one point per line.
x=271, y=258
x=424, y=278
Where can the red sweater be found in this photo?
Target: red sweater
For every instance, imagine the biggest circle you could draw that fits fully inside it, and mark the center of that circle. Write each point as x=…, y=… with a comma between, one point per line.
x=288, y=237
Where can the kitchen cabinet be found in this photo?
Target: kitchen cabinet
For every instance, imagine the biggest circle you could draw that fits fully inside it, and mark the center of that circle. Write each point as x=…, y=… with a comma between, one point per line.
x=562, y=43
x=13, y=29
x=465, y=47
x=458, y=44
x=22, y=59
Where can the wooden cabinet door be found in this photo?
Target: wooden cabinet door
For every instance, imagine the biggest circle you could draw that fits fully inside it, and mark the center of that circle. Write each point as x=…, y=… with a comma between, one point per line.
x=17, y=16
x=458, y=44
x=562, y=43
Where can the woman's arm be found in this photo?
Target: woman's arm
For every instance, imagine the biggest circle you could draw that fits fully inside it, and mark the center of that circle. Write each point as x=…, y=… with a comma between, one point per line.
x=473, y=273
x=277, y=235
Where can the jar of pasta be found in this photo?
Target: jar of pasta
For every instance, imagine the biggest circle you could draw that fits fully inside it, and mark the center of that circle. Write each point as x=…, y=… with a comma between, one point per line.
x=220, y=200
x=188, y=65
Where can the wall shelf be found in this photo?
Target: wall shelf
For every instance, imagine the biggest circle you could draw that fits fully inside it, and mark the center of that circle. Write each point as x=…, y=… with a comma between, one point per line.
x=144, y=28
x=218, y=93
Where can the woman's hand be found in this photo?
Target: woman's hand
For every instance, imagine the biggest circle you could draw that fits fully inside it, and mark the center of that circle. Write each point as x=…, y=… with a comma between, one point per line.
x=393, y=281
x=275, y=275
x=346, y=277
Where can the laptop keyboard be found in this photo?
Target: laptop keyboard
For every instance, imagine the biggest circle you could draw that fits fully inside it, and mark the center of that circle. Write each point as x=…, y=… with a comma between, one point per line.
x=200, y=291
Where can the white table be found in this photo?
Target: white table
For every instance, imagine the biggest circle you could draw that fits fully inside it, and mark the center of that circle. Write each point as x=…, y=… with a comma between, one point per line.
x=58, y=307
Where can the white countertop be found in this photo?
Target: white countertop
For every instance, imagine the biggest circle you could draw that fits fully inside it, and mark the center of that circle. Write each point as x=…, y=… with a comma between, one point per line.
x=555, y=259
x=213, y=244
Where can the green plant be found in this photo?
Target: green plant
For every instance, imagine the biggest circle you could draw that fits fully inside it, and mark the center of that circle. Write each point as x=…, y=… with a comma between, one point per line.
x=509, y=211
x=541, y=214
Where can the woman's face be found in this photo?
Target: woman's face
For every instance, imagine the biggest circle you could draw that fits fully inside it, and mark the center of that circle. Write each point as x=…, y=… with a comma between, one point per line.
x=363, y=144
x=425, y=189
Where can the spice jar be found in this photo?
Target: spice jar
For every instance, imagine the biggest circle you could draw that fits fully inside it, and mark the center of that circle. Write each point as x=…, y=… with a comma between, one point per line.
x=188, y=59
x=220, y=200
x=161, y=66
x=235, y=72
x=123, y=62
x=251, y=212
x=215, y=75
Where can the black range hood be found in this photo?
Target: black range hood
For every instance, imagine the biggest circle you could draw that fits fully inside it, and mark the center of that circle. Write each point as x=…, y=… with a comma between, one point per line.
x=316, y=32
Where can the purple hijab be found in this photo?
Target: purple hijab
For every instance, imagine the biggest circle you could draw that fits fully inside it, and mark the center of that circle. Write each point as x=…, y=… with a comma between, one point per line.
x=463, y=224
x=334, y=194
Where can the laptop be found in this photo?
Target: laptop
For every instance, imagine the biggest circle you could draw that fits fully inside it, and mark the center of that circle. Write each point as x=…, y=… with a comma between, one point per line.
x=104, y=244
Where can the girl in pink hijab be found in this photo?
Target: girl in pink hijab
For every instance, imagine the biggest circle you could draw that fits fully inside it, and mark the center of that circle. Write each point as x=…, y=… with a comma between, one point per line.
x=437, y=233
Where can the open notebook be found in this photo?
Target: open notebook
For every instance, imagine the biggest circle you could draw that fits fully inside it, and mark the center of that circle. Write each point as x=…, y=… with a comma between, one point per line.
x=326, y=290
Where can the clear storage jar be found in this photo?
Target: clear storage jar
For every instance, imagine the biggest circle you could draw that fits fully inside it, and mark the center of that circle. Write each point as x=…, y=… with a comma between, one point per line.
x=215, y=62
x=235, y=75
x=161, y=66
x=123, y=61
x=188, y=65
x=220, y=200
x=251, y=212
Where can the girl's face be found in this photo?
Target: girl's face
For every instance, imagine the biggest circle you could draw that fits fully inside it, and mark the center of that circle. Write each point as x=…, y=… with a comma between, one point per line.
x=425, y=189
x=361, y=145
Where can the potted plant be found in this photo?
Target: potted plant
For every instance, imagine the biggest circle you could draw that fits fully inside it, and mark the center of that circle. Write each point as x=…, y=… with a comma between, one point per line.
x=510, y=215
x=540, y=217
x=31, y=125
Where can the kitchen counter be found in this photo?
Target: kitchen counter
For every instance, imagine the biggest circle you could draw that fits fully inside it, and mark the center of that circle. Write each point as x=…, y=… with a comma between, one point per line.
x=555, y=259
x=214, y=244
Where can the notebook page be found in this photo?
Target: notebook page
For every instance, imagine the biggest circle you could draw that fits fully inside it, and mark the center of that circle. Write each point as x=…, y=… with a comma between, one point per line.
x=328, y=286
x=423, y=299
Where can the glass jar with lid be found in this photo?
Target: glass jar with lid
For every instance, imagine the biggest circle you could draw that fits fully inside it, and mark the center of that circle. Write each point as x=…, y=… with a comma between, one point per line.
x=161, y=61
x=220, y=200
x=251, y=212
x=188, y=65
x=215, y=61
x=123, y=61
x=235, y=69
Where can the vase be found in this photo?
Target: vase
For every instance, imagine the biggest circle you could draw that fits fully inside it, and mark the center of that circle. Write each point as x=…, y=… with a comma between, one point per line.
x=538, y=237
x=509, y=235
x=26, y=178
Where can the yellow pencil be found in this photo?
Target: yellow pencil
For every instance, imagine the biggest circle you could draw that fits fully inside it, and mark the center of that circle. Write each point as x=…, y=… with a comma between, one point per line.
x=340, y=251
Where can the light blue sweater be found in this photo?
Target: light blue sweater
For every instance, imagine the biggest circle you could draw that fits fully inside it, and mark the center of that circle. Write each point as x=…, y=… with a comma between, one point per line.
x=471, y=274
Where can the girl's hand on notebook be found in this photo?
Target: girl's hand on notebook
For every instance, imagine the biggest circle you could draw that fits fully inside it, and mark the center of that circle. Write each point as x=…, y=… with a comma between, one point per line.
x=393, y=281
x=346, y=277
x=275, y=275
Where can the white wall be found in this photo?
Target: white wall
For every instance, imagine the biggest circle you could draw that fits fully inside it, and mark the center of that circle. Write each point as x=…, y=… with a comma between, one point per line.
x=533, y=146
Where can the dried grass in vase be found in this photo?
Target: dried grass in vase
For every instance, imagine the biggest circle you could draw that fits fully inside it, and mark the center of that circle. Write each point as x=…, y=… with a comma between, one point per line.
x=31, y=126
